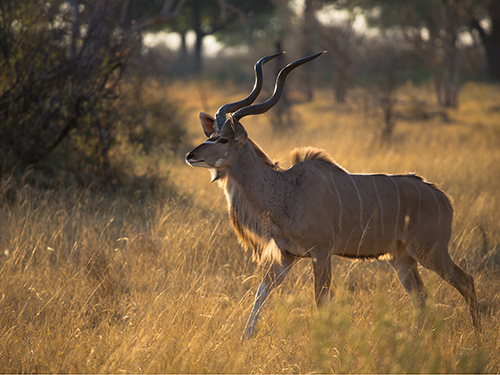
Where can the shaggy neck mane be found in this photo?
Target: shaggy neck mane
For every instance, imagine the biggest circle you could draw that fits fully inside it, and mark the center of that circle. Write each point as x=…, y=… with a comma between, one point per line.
x=250, y=223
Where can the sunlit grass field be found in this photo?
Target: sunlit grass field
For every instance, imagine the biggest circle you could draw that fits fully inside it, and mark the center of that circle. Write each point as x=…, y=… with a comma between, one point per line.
x=156, y=282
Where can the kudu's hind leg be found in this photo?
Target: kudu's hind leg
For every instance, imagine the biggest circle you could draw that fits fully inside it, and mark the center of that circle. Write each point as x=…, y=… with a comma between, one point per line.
x=464, y=283
x=406, y=269
x=274, y=276
x=441, y=263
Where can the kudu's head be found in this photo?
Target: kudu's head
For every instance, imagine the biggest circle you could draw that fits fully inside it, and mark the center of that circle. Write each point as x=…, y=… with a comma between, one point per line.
x=226, y=137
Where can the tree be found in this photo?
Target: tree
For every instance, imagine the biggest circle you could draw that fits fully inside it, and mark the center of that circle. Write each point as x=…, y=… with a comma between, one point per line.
x=387, y=84
x=309, y=28
x=228, y=20
x=484, y=17
x=343, y=43
x=61, y=65
x=432, y=27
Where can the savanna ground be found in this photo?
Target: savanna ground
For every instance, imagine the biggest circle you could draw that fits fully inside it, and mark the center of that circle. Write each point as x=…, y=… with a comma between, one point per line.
x=156, y=281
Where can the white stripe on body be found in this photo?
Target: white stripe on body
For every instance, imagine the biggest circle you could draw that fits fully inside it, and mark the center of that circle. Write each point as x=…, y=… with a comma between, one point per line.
x=419, y=203
x=399, y=205
x=380, y=205
x=340, y=202
x=360, y=203
x=437, y=202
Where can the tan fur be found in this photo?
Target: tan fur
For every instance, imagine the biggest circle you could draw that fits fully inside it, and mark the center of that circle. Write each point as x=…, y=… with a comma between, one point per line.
x=263, y=156
x=316, y=209
x=310, y=153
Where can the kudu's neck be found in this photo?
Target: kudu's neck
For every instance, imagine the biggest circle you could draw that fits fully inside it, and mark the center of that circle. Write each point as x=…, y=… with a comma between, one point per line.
x=250, y=176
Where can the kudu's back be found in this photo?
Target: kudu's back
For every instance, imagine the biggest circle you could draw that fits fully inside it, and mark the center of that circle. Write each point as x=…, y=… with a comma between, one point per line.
x=369, y=215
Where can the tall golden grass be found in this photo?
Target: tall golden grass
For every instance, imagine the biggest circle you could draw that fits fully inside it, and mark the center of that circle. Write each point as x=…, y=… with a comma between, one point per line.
x=147, y=283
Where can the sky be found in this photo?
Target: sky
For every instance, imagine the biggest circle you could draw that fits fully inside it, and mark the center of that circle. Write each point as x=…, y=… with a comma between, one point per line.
x=211, y=47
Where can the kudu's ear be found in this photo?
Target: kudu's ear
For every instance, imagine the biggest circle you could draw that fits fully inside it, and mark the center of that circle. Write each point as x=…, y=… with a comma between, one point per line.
x=240, y=134
x=208, y=123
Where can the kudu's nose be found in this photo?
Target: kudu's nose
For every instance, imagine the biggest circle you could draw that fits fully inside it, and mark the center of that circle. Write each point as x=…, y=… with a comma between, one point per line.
x=189, y=156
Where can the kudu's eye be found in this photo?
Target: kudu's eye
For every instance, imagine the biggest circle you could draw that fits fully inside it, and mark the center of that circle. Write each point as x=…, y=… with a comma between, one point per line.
x=223, y=140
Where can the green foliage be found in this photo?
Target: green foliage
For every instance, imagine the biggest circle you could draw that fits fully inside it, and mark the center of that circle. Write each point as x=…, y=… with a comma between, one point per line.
x=54, y=82
x=64, y=105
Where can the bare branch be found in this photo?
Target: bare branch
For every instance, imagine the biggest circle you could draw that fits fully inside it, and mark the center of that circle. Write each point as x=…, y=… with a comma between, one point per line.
x=224, y=5
x=124, y=11
x=75, y=29
x=104, y=146
x=166, y=15
x=166, y=9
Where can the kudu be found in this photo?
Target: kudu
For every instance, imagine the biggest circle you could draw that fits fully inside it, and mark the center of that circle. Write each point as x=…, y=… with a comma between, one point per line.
x=317, y=209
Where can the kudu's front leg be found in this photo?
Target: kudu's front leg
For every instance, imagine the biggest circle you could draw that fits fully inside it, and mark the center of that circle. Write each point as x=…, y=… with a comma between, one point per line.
x=274, y=276
x=322, y=268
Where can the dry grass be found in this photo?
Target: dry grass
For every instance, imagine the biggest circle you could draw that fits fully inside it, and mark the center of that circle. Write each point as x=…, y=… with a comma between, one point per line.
x=98, y=283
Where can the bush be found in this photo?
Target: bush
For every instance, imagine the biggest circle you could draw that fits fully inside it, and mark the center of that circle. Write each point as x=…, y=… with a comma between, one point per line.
x=63, y=100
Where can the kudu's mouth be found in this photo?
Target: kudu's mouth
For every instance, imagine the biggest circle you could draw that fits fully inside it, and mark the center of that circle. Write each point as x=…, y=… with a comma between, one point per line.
x=191, y=160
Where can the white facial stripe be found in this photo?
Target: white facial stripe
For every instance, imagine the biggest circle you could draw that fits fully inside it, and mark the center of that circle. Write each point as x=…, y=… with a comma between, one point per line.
x=219, y=162
x=209, y=142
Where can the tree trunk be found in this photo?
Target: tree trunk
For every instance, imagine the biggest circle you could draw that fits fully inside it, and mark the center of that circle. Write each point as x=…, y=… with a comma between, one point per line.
x=183, y=63
x=491, y=41
x=451, y=63
x=198, y=45
x=307, y=41
x=493, y=49
x=281, y=118
x=198, y=52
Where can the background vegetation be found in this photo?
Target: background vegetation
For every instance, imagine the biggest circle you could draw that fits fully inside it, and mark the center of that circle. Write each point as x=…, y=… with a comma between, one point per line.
x=157, y=282
x=115, y=256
